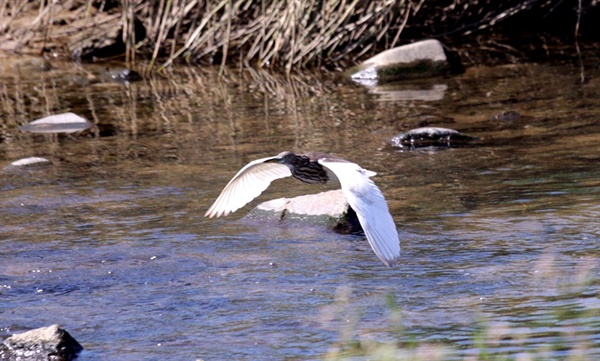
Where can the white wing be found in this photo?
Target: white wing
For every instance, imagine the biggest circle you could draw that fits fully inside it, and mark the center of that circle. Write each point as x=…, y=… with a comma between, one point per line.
x=370, y=207
x=246, y=185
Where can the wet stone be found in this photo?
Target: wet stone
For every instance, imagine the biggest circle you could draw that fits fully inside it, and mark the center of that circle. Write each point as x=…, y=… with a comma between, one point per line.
x=431, y=137
x=46, y=343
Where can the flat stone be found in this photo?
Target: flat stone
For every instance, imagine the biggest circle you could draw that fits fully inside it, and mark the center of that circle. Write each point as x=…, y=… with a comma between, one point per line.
x=330, y=204
x=327, y=208
x=28, y=163
x=46, y=343
x=421, y=59
x=58, y=123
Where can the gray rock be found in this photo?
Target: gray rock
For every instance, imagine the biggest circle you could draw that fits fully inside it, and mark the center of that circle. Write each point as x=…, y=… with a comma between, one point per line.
x=46, y=343
x=327, y=208
x=417, y=60
x=431, y=137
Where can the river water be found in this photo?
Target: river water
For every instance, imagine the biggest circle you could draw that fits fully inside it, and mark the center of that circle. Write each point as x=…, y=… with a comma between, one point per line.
x=500, y=239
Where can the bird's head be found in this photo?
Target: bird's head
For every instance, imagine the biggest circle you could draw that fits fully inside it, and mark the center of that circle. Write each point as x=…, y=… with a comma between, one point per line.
x=286, y=158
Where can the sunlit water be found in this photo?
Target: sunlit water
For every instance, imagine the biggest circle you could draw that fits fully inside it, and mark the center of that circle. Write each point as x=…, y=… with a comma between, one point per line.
x=499, y=239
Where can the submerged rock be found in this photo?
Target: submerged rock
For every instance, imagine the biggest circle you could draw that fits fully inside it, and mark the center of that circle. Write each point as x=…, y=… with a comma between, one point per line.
x=431, y=137
x=46, y=343
x=507, y=116
x=417, y=60
x=120, y=75
x=327, y=208
x=58, y=123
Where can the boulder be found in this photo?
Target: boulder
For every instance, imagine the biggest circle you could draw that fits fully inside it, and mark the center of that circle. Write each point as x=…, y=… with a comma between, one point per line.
x=421, y=59
x=326, y=208
x=46, y=343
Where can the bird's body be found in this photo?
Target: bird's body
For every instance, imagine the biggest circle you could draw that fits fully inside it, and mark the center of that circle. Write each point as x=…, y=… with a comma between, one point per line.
x=361, y=193
x=306, y=167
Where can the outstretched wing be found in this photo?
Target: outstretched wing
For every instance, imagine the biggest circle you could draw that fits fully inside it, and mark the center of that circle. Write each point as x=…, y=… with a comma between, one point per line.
x=370, y=207
x=246, y=185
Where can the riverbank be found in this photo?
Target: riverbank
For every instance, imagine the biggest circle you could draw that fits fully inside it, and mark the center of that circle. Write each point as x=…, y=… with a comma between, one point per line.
x=333, y=34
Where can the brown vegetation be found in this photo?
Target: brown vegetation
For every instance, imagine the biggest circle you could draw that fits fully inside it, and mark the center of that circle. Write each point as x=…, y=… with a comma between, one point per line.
x=265, y=33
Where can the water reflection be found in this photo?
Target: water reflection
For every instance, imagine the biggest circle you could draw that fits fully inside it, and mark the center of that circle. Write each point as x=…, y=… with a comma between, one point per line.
x=110, y=240
x=395, y=92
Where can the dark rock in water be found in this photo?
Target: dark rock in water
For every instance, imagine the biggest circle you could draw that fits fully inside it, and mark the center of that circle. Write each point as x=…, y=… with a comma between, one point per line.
x=508, y=116
x=425, y=58
x=42, y=344
x=431, y=137
x=121, y=75
x=327, y=208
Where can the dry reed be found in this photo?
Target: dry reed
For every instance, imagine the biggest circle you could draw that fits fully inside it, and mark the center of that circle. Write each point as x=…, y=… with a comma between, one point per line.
x=265, y=33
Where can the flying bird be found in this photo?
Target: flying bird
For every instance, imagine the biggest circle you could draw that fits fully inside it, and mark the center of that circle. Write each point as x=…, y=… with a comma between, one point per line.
x=361, y=193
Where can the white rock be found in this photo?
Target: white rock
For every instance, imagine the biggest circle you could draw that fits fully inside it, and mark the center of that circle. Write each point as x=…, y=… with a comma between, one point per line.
x=58, y=123
x=417, y=60
x=31, y=161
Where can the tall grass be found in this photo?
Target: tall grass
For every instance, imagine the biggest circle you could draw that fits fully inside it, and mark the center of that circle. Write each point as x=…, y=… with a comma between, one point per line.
x=264, y=33
x=268, y=33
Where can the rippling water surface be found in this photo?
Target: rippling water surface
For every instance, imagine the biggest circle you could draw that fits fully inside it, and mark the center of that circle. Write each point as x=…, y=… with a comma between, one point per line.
x=500, y=240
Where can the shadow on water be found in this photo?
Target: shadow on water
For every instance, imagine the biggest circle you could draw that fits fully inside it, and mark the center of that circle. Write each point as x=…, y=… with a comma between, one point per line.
x=110, y=241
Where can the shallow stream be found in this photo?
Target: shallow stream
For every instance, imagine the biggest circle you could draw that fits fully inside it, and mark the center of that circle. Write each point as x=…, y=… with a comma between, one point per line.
x=500, y=240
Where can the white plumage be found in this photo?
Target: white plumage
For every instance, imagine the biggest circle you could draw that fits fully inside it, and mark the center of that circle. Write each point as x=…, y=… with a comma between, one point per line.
x=362, y=194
